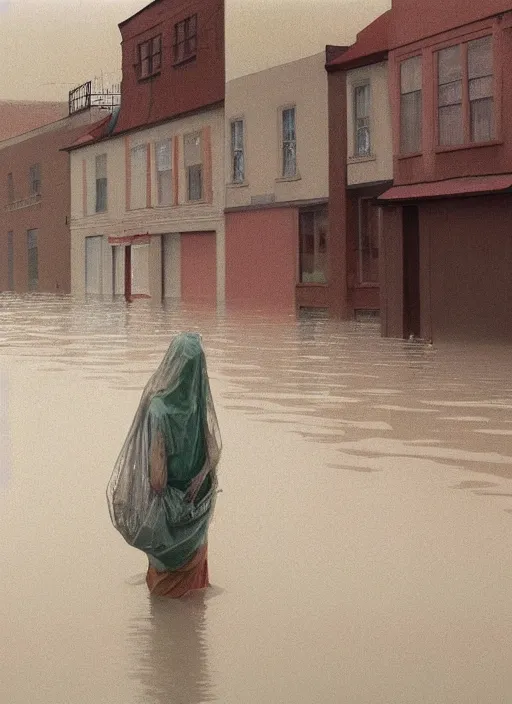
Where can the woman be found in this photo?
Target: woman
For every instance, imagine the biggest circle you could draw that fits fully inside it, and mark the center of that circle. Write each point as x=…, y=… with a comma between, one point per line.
x=161, y=495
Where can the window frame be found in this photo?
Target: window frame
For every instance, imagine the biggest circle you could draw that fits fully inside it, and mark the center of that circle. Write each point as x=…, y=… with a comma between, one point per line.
x=33, y=283
x=150, y=58
x=11, y=194
x=188, y=36
x=467, y=143
x=371, y=202
x=282, y=142
x=103, y=180
x=189, y=167
x=34, y=180
x=317, y=212
x=142, y=148
x=234, y=150
x=355, y=88
x=403, y=154
x=157, y=144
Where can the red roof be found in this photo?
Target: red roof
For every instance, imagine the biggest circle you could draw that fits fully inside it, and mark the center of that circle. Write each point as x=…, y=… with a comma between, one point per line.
x=91, y=133
x=450, y=187
x=371, y=45
x=20, y=116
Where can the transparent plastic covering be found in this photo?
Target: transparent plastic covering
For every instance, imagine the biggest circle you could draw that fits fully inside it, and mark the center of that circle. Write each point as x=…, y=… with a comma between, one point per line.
x=162, y=491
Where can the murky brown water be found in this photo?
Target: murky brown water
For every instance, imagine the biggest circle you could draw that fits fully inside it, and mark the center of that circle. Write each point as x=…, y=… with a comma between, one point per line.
x=361, y=550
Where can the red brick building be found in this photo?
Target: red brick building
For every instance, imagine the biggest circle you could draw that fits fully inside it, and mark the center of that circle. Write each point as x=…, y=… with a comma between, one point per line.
x=360, y=165
x=158, y=229
x=173, y=61
x=447, y=236
x=35, y=204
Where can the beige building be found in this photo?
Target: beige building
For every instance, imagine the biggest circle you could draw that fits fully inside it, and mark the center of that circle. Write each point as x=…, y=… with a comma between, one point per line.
x=369, y=139
x=360, y=165
x=276, y=180
x=151, y=200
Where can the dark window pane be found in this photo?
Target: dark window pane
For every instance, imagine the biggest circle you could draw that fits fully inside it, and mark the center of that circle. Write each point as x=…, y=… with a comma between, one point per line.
x=195, y=182
x=411, y=123
x=33, y=264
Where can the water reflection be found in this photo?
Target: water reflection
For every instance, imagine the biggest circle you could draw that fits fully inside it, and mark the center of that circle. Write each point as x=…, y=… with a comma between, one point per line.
x=170, y=651
x=365, y=513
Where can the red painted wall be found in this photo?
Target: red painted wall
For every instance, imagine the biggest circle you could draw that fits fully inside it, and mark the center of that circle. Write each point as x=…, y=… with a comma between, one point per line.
x=198, y=267
x=177, y=89
x=50, y=215
x=467, y=293
x=261, y=256
x=414, y=19
x=435, y=164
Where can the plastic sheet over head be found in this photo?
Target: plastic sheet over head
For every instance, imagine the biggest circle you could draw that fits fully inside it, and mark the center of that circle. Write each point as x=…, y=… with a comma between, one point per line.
x=162, y=491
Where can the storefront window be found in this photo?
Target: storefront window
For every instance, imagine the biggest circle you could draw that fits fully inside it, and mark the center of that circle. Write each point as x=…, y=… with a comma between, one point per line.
x=368, y=248
x=313, y=246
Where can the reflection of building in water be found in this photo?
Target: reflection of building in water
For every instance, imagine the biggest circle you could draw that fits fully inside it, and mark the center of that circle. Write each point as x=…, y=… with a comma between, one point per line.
x=172, y=652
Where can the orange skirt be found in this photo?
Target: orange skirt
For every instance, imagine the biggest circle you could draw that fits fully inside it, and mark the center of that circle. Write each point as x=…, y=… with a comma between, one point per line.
x=190, y=577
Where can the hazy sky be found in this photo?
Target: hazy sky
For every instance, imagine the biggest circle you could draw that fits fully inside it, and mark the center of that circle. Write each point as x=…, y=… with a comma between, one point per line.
x=49, y=46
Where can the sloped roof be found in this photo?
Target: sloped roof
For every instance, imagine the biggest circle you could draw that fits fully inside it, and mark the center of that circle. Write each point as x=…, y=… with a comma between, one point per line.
x=371, y=45
x=94, y=133
x=20, y=116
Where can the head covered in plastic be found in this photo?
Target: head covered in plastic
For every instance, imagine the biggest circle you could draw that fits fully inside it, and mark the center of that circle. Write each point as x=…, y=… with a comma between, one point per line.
x=177, y=407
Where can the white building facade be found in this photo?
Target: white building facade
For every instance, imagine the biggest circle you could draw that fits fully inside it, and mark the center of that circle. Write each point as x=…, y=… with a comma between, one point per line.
x=147, y=212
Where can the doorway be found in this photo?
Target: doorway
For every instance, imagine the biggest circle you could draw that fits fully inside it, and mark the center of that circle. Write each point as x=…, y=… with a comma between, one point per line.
x=411, y=268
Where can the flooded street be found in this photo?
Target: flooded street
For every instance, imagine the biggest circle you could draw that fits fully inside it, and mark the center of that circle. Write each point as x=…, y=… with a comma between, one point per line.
x=361, y=546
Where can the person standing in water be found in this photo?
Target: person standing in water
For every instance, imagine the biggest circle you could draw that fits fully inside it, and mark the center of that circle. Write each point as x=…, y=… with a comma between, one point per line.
x=162, y=492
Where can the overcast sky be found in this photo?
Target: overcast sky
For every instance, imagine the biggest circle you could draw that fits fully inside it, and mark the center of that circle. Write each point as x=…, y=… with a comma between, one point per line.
x=49, y=46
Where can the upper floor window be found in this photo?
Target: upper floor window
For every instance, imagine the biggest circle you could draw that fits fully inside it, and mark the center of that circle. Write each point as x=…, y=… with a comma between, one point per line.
x=411, y=105
x=288, y=143
x=34, y=180
x=237, y=152
x=150, y=57
x=465, y=93
x=101, y=183
x=138, y=177
x=362, y=142
x=163, y=154
x=185, y=39
x=193, y=154
x=10, y=188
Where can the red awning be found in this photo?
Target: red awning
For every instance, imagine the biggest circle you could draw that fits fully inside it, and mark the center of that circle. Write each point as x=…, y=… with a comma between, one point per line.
x=450, y=187
x=130, y=239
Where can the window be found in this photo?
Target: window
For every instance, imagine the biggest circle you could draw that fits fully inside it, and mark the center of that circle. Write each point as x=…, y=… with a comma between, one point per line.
x=101, y=183
x=150, y=57
x=34, y=180
x=362, y=144
x=289, y=143
x=313, y=246
x=465, y=70
x=10, y=261
x=138, y=177
x=194, y=166
x=163, y=154
x=10, y=188
x=411, y=106
x=185, y=39
x=33, y=265
x=237, y=152
x=368, y=245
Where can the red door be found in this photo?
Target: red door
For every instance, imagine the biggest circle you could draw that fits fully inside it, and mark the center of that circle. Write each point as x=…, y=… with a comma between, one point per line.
x=198, y=267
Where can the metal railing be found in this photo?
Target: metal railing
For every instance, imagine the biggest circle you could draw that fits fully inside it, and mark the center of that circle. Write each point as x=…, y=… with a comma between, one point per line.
x=83, y=97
